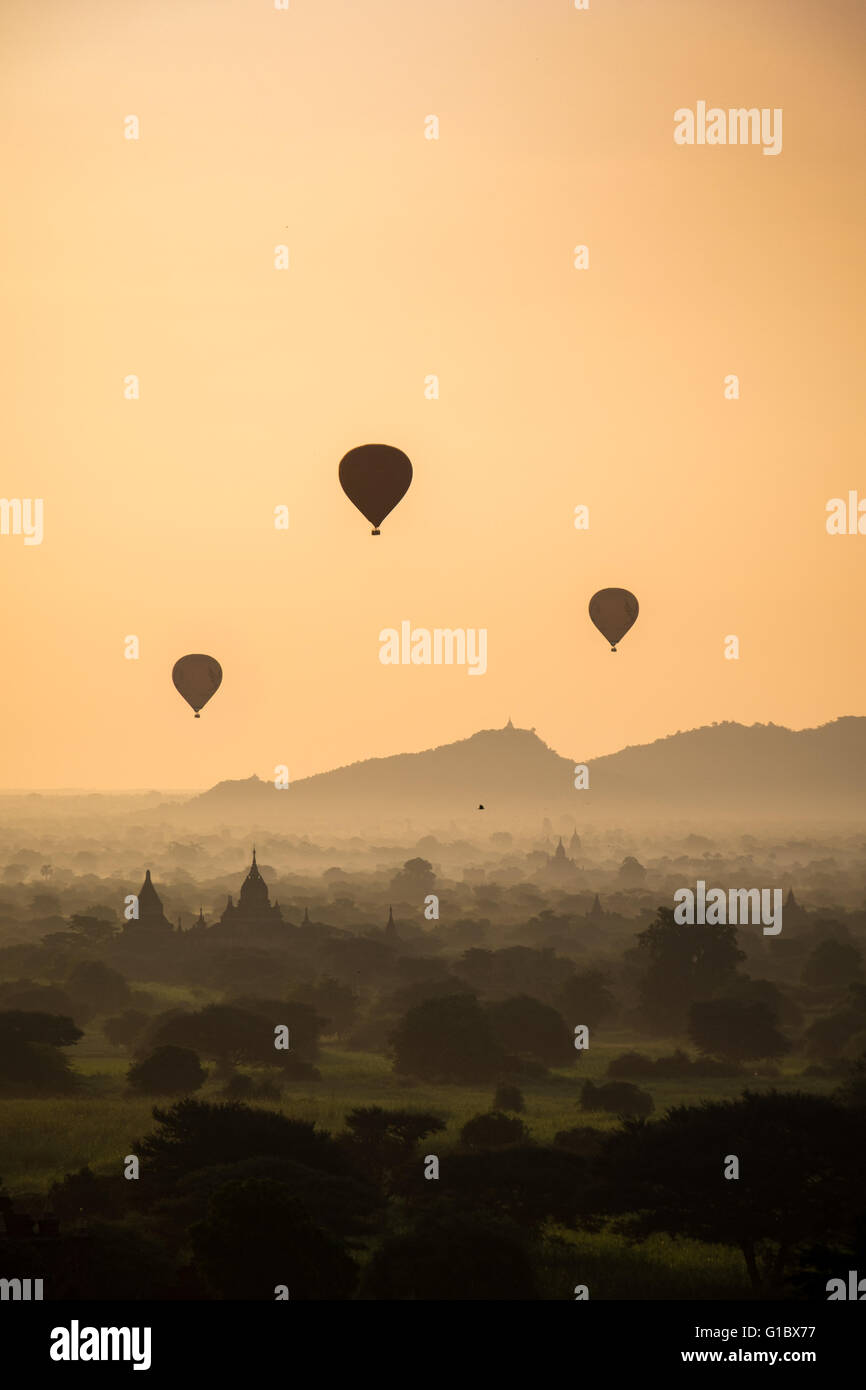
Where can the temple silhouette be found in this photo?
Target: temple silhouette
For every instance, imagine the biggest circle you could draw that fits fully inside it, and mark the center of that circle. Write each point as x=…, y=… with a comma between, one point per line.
x=254, y=908
x=151, y=917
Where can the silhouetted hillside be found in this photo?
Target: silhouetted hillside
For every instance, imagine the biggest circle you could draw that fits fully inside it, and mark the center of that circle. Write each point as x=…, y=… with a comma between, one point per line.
x=758, y=769
x=762, y=771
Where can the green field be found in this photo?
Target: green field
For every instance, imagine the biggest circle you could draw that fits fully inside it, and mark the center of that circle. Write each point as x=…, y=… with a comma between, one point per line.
x=43, y=1139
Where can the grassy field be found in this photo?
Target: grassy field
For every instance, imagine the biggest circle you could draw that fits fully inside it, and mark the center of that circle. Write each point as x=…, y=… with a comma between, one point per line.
x=43, y=1139
x=658, y=1269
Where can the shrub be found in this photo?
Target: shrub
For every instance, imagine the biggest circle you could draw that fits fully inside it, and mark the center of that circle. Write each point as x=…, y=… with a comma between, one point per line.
x=167, y=1071
x=492, y=1131
x=239, y=1087
x=257, y=1235
x=582, y=1140
x=33, y=1068
x=508, y=1097
x=243, y=1087
x=453, y=1256
x=631, y=1064
x=617, y=1098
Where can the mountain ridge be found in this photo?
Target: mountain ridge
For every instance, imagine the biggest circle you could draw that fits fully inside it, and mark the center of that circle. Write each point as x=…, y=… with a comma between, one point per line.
x=722, y=767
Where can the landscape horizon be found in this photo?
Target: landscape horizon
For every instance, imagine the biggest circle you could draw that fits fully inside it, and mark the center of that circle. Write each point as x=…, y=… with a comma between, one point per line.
x=849, y=740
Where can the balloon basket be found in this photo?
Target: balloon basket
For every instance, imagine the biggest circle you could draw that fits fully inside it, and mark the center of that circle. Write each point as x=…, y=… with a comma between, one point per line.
x=376, y=532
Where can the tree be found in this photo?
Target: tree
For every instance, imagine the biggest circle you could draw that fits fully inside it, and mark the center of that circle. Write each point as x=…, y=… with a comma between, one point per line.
x=246, y=968
x=452, y=1256
x=304, y=1023
x=167, y=1071
x=84, y=1194
x=526, y=1183
x=582, y=1140
x=242, y=1031
x=358, y=961
x=828, y=1037
x=820, y=1263
x=832, y=963
x=345, y=1206
x=631, y=1064
x=118, y=1261
x=515, y=970
x=448, y=1039
x=94, y=930
x=853, y=1088
x=415, y=880
x=527, y=1028
x=30, y=1062
x=787, y=1012
x=800, y=1160
x=683, y=963
x=33, y=1068
x=735, y=1029
x=97, y=986
x=493, y=1131
x=195, y=1134
x=632, y=873
x=54, y=1030
x=617, y=1097
x=334, y=1002
x=585, y=998
x=508, y=1097
x=380, y=1140
x=45, y=905
x=257, y=1236
x=31, y=997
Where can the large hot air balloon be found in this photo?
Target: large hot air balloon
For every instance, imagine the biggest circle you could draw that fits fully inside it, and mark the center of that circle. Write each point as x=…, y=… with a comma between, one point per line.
x=613, y=611
x=197, y=678
x=375, y=477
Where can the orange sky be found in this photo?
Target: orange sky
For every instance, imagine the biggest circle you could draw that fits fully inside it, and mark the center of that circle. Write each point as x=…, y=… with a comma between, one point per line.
x=411, y=257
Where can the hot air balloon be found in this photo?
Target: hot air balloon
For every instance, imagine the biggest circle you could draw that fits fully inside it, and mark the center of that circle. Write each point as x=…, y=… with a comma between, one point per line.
x=613, y=611
x=197, y=677
x=375, y=477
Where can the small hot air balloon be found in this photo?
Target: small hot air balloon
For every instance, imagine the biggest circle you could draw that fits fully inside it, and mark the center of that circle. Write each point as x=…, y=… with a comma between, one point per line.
x=197, y=677
x=375, y=477
x=613, y=611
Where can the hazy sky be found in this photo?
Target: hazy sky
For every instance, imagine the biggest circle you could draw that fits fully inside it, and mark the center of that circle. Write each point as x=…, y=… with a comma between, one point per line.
x=411, y=257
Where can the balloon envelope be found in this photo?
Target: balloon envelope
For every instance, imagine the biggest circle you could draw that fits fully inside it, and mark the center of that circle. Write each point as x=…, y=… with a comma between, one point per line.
x=613, y=611
x=197, y=677
x=375, y=477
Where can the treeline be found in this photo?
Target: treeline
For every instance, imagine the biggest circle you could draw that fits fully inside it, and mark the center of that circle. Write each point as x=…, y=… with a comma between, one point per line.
x=234, y=1201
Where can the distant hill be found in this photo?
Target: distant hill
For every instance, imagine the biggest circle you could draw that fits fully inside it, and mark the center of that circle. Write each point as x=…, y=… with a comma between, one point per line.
x=728, y=770
x=761, y=769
